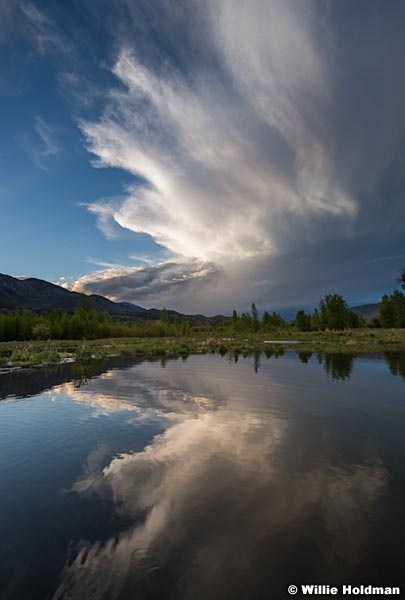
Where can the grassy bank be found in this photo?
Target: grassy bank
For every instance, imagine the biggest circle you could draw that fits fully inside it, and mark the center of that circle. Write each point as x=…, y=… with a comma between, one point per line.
x=356, y=341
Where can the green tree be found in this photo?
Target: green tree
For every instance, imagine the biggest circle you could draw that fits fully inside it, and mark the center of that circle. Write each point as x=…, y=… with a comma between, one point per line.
x=273, y=321
x=316, y=320
x=245, y=322
x=164, y=317
x=41, y=331
x=185, y=325
x=85, y=308
x=398, y=302
x=392, y=310
x=333, y=311
x=303, y=321
x=255, y=318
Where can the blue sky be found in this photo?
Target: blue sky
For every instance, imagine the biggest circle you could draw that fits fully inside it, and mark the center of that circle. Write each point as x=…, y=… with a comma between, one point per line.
x=190, y=155
x=47, y=177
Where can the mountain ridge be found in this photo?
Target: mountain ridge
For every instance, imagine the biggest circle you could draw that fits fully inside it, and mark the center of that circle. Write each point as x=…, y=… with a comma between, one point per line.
x=368, y=311
x=39, y=295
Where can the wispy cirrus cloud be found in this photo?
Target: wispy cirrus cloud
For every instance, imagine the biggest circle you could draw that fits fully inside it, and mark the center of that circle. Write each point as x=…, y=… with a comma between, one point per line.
x=42, y=145
x=46, y=135
x=260, y=144
x=41, y=30
x=6, y=18
x=213, y=189
x=28, y=19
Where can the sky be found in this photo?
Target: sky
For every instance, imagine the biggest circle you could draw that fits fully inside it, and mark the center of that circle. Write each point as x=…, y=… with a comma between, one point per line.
x=203, y=154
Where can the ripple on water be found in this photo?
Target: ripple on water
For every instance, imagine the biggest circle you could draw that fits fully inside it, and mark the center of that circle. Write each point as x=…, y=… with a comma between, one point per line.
x=205, y=478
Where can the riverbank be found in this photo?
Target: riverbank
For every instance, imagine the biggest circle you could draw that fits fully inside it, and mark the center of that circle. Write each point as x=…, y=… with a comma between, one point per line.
x=356, y=341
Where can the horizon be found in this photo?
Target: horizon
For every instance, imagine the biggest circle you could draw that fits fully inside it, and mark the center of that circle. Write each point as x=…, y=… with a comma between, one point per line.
x=184, y=155
x=288, y=314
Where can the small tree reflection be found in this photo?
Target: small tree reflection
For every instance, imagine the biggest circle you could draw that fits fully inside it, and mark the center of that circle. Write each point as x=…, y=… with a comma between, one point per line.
x=339, y=366
x=304, y=357
x=396, y=363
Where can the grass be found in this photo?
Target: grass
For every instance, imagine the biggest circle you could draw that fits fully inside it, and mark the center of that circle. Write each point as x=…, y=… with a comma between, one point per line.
x=355, y=341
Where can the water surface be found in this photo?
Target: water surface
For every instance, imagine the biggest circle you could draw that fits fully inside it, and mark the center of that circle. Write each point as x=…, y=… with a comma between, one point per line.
x=206, y=478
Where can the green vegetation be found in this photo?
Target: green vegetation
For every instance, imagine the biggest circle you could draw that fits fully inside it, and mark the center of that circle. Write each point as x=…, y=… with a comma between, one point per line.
x=248, y=323
x=27, y=338
x=86, y=323
x=392, y=310
x=332, y=313
x=351, y=341
x=392, y=307
x=303, y=321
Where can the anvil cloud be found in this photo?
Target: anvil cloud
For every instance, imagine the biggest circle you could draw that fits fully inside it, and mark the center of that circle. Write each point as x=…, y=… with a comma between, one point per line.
x=264, y=137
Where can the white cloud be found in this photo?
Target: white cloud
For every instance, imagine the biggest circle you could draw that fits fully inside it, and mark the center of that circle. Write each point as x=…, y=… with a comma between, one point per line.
x=6, y=18
x=40, y=29
x=41, y=146
x=211, y=191
x=250, y=153
x=49, y=145
x=257, y=468
x=157, y=284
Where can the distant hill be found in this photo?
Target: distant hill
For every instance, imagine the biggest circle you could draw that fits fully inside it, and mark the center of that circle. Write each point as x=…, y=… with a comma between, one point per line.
x=127, y=306
x=368, y=311
x=41, y=296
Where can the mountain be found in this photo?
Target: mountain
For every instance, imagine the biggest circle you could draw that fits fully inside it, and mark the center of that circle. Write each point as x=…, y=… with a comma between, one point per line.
x=368, y=311
x=41, y=296
x=131, y=307
x=38, y=295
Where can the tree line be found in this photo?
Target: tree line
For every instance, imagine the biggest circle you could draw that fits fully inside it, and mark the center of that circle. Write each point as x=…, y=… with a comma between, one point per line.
x=392, y=308
x=331, y=313
x=85, y=323
x=251, y=322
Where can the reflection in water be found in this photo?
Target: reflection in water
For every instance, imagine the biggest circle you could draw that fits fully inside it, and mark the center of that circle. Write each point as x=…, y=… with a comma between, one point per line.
x=256, y=361
x=275, y=352
x=27, y=382
x=225, y=481
x=238, y=477
x=304, y=357
x=339, y=366
x=138, y=389
x=396, y=363
x=228, y=491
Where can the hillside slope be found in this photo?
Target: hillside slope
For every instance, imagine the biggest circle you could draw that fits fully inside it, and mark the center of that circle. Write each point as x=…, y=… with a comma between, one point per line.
x=368, y=311
x=41, y=296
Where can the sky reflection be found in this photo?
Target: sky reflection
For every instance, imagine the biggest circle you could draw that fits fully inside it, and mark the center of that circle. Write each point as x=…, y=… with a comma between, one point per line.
x=244, y=494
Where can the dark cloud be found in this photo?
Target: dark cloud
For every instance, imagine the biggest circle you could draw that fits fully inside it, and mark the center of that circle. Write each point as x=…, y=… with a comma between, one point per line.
x=153, y=284
x=266, y=142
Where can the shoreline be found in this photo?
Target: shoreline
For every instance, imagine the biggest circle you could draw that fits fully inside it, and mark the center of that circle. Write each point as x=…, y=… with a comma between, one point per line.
x=41, y=353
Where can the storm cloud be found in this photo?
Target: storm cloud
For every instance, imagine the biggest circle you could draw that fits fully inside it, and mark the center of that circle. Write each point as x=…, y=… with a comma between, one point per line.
x=159, y=281
x=266, y=143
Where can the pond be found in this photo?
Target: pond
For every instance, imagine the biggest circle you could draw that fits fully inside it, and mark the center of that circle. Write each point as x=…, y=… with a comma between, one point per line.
x=207, y=478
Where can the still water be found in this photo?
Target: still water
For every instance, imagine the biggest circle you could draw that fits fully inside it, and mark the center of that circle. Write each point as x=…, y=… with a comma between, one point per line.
x=208, y=478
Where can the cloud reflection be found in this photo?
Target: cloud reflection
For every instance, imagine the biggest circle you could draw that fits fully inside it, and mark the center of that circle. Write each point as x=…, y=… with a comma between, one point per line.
x=143, y=387
x=222, y=492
